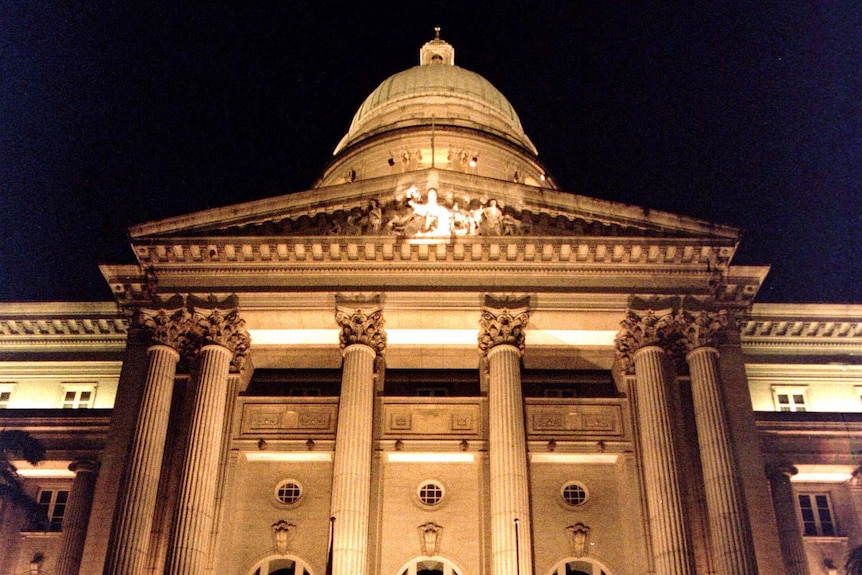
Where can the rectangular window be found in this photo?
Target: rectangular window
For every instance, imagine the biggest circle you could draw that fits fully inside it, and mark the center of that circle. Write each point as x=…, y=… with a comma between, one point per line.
x=791, y=399
x=78, y=396
x=816, y=511
x=53, y=502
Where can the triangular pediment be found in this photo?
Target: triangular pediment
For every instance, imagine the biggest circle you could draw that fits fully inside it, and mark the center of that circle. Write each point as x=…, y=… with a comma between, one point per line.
x=434, y=204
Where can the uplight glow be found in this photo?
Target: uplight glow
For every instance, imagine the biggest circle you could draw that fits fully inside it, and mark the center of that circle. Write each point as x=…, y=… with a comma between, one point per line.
x=446, y=337
x=408, y=457
x=292, y=456
x=606, y=458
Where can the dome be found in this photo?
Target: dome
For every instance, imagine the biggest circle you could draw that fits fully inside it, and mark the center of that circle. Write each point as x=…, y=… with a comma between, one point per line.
x=436, y=92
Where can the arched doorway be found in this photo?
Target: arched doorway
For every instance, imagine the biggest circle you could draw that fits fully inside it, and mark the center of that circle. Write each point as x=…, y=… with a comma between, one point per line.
x=281, y=565
x=579, y=566
x=430, y=566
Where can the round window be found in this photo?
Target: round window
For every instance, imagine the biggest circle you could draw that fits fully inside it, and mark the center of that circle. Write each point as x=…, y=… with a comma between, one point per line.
x=574, y=494
x=288, y=491
x=430, y=493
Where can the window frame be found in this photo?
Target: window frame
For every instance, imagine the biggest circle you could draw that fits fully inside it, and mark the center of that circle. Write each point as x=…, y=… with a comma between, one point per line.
x=817, y=521
x=54, y=522
x=792, y=392
x=76, y=402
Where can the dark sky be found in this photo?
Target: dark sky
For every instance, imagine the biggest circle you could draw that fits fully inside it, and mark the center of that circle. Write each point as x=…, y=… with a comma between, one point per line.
x=747, y=114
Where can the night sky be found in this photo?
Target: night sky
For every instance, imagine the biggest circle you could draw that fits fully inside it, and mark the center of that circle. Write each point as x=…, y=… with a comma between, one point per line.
x=742, y=113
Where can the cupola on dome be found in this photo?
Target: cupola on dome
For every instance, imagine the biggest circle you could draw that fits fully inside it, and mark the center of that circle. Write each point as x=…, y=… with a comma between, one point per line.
x=436, y=92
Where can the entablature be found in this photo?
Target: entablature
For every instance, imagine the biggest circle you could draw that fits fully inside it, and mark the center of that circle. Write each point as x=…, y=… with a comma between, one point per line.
x=57, y=327
x=811, y=329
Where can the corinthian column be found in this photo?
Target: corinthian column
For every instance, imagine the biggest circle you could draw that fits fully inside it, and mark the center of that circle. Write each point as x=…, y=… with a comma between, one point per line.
x=730, y=531
x=77, y=516
x=222, y=341
x=133, y=521
x=789, y=536
x=362, y=342
x=501, y=339
x=639, y=347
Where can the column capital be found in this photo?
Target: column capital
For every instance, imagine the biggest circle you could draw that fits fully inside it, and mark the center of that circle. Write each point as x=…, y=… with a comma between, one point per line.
x=84, y=466
x=502, y=322
x=361, y=322
x=701, y=329
x=776, y=471
x=644, y=328
x=217, y=327
x=163, y=326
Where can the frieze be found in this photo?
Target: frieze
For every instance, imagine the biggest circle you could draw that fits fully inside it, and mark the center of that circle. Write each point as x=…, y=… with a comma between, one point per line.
x=440, y=214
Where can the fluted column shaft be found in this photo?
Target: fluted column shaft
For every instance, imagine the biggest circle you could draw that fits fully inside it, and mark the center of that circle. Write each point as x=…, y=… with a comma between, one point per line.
x=730, y=532
x=134, y=518
x=190, y=535
x=667, y=520
x=789, y=535
x=351, y=480
x=77, y=516
x=510, y=498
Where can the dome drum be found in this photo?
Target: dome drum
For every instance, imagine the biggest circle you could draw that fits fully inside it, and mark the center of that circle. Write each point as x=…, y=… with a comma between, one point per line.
x=458, y=149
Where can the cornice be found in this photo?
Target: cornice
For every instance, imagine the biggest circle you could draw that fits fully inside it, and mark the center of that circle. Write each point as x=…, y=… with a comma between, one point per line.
x=707, y=253
x=62, y=326
x=804, y=328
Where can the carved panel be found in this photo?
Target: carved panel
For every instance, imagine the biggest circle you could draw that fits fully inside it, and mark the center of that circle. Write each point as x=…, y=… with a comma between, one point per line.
x=408, y=419
x=287, y=418
x=575, y=420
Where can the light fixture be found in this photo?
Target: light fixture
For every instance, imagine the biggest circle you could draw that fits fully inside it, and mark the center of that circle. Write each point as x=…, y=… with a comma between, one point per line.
x=474, y=161
x=391, y=162
x=543, y=177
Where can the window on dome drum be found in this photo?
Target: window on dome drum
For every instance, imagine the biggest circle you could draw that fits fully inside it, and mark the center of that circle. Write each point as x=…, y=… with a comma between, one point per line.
x=53, y=503
x=573, y=494
x=816, y=511
x=790, y=399
x=78, y=396
x=5, y=396
x=430, y=493
x=288, y=491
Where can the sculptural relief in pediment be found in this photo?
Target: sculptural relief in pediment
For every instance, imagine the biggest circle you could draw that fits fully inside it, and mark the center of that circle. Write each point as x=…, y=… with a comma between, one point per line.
x=412, y=214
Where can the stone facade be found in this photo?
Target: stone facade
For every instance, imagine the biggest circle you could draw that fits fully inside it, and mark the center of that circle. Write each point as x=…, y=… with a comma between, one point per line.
x=435, y=362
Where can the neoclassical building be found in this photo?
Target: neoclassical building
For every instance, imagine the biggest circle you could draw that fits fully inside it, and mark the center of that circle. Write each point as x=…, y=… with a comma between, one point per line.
x=434, y=362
